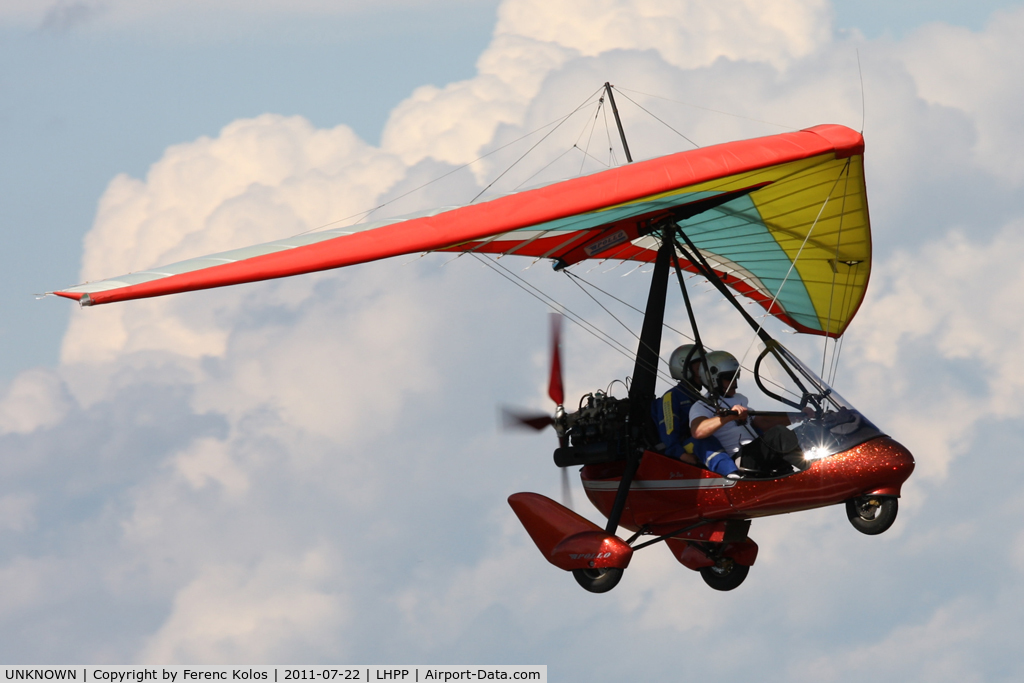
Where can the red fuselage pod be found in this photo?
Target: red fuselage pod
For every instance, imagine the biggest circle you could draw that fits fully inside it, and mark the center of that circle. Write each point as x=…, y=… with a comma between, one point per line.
x=668, y=493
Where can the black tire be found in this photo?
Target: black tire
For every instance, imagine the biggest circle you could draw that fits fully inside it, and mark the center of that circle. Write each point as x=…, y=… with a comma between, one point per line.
x=871, y=515
x=598, y=580
x=724, y=576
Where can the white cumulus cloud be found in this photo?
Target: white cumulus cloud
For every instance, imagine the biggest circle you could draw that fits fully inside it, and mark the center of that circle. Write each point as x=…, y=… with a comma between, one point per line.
x=308, y=469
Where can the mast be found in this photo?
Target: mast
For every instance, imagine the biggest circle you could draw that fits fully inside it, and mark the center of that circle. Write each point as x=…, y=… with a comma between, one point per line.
x=618, y=121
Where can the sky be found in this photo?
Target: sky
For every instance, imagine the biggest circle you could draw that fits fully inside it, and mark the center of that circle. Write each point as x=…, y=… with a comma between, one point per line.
x=310, y=470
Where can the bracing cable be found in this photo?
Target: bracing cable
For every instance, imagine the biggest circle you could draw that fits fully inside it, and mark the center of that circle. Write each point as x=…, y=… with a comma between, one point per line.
x=368, y=212
x=713, y=111
x=535, y=145
x=548, y=300
x=659, y=120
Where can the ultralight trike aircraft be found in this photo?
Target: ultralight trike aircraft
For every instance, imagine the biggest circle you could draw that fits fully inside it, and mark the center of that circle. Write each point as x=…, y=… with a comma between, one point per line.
x=781, y=220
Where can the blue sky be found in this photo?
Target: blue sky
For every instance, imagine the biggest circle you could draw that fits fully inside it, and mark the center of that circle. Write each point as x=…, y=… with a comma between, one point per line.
x=309, y=470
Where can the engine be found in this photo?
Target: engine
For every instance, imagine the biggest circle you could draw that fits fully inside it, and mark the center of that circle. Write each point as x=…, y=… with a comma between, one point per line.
x=597, y=432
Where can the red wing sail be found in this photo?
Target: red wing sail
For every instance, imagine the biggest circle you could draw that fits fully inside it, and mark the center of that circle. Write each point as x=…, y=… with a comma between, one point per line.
x=797, y=232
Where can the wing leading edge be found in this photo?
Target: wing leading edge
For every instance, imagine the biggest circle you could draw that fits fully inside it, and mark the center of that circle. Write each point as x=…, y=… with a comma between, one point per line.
x=796, y=237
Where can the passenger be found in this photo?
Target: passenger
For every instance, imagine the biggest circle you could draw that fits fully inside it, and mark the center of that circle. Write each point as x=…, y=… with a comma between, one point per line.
x=762, y=444
x=671, y=412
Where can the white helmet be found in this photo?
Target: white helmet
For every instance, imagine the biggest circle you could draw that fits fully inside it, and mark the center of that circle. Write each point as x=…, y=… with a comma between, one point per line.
x=678, y=364
x=719, y=363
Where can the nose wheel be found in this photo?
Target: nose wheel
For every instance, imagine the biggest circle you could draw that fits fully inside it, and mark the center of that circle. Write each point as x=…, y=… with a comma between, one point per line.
x=871, y=515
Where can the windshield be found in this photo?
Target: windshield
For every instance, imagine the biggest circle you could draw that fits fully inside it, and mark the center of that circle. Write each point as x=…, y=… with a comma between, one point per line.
x=835, y=426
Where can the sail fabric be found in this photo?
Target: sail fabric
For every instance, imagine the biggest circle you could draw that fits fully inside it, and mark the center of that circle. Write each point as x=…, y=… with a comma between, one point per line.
x=788, y=228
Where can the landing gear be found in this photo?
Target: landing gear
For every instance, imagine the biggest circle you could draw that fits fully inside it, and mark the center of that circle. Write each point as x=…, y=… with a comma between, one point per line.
x=724, y=575
x=871, y=514
x=598, y=580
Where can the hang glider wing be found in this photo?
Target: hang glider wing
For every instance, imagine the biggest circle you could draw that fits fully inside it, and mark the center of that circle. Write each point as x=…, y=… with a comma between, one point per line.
x=783, y=219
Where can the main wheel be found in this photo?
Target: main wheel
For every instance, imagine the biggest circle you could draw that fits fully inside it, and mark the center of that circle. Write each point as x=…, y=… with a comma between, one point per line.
x=725, y=575
x=598, y=580
x=871, y=514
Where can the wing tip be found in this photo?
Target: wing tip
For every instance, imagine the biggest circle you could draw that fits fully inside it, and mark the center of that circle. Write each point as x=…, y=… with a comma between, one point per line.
x=847, y=142
x=82, y=298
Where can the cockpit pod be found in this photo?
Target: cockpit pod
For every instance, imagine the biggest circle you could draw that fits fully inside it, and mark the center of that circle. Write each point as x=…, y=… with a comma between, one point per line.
x=835, y=425
x=838, y=442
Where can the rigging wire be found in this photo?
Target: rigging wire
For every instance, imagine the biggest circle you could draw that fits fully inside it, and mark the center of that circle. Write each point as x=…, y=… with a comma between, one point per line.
x=591, y=328
x=714, y=111
x=590, y=123
x=556, y=123
x=848, y=300
x=581, y=281
x=835, y=270
x=837, y=344
x=863, y=107
x=593, y=127
x=659, y=120
x=546, y=136
x=684, y=335
x=834, y=369
x=612, y=161
x=566, y=151
x=368, y=212
x=610, y=314
x=588, y=155
x=543, y=168
x=549, y=300
x=546, y=298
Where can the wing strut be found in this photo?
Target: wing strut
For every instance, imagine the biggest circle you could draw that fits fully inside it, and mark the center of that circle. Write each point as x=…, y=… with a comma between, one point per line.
x=645, y=374
x=699, y=347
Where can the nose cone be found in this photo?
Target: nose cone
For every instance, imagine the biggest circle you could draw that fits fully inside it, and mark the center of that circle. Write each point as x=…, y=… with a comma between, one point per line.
x=886, y=464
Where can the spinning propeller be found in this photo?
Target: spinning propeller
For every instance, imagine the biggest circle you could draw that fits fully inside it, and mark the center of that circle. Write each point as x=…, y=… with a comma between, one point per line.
x=555, y=390
x=513, y=418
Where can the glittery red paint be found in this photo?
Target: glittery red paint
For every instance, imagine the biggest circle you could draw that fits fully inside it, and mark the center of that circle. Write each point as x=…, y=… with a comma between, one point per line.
x=667, y=493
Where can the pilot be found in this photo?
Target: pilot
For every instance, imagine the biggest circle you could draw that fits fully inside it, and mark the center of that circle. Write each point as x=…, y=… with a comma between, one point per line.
x=672, y=415
x=762, y=444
